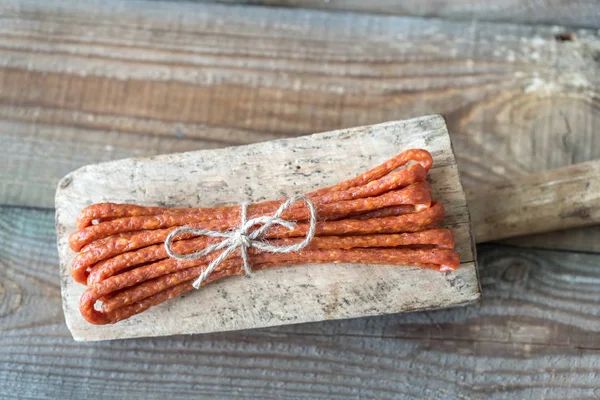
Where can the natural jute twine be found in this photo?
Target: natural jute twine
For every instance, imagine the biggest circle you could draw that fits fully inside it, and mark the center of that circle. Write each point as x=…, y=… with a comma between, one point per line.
x=242, y=237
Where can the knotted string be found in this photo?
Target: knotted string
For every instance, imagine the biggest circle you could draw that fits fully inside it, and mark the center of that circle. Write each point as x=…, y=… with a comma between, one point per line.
x=242, y=238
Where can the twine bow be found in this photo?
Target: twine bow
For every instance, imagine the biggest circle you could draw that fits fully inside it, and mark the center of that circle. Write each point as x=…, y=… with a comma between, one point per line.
x=243, y=238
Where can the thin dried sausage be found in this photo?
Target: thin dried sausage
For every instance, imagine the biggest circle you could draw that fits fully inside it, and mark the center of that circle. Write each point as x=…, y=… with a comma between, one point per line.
x=383, y=216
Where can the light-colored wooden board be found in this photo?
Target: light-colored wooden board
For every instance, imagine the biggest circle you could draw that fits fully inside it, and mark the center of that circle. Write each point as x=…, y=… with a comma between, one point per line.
x=536, y=334
x=574, y=13
x=543, y=202
x=83, y=82
x=274, y=170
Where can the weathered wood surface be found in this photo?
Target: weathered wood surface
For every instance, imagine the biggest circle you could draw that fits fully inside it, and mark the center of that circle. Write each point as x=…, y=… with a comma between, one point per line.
x=543, y=202
x=535, y=335
x=83, y=82
x=574, y=13
x=99, y=81
x=141, y=78
x=268, y=171
x=580, y=239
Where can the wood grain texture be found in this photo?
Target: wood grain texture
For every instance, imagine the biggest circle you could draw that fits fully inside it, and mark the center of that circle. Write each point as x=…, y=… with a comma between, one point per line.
x=543, y=202
x=268, y=171
x=580, y=239
x=574, y=13
x=82, y=82
x=535, y=335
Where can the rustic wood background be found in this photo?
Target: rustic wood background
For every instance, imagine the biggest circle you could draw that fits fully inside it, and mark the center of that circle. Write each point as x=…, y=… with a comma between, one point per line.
x=88, y=81
x=574, y=13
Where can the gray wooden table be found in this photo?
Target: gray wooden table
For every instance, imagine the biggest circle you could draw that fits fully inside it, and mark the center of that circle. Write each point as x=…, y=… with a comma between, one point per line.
x=82, y=82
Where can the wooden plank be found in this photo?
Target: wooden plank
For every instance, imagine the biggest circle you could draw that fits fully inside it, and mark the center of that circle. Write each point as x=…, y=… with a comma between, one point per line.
x=82, y=83
x=581, y=239
x=547, y=201
x=535, y=335
x=264, y=171
x=574, y=13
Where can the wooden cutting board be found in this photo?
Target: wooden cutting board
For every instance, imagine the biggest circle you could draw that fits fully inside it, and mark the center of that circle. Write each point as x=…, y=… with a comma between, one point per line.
x=272, y=170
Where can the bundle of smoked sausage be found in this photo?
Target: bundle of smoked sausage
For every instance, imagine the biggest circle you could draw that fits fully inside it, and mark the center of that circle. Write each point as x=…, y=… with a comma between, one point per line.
x=383, y=216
